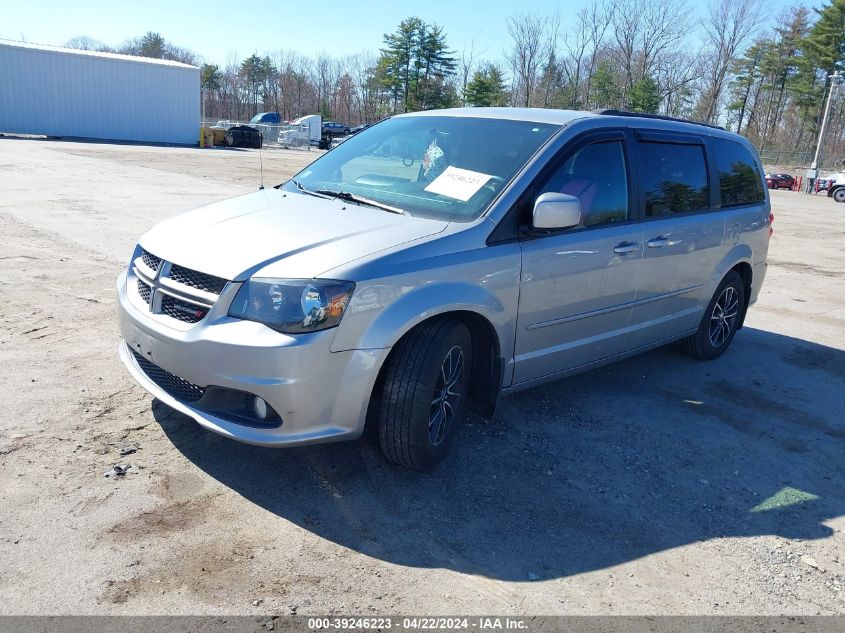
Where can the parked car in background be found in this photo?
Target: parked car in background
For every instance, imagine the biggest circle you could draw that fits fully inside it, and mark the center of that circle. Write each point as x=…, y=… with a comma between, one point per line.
x=779, y=181
x=359, y=128
x=836, y=187
x=333, y=128
x=495, y=250
x=267, y=118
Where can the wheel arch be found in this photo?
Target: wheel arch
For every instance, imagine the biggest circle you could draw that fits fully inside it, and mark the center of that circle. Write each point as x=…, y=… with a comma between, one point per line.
x=487, y=361
x=737, y=260
x=746, y=273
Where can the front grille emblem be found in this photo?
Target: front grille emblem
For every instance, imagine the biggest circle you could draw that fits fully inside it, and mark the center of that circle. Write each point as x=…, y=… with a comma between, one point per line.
x=160, y=301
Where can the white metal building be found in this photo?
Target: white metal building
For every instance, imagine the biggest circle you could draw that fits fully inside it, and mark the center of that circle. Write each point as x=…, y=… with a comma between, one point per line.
x=73, y=93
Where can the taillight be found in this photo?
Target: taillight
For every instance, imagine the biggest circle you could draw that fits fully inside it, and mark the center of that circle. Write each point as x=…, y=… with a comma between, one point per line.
x=771, y=221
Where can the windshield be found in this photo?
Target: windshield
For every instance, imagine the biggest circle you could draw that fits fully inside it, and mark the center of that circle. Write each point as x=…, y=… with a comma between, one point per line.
x=446, y=168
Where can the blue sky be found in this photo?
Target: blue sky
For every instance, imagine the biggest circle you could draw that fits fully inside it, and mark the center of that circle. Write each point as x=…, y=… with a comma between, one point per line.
x=214, y=29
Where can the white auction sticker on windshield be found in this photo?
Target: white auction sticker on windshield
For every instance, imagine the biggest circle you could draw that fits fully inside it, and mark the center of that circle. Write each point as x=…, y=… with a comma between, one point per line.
x=457, y=183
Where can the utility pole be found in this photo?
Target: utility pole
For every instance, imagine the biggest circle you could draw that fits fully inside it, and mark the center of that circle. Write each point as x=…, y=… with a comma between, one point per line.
x=835, y=80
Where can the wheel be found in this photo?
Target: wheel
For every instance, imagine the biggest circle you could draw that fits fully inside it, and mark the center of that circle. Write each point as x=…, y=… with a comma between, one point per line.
x=719, y=323
x=839, y=194
x=775, y=185
x=422, y=393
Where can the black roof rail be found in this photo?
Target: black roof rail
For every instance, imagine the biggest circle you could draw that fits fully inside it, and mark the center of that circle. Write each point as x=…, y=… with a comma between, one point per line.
x=660, y=117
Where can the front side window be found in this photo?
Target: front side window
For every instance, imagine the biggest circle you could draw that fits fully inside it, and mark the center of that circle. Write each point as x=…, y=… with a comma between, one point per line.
x=740, y=181
x=674, y=178
x=447, y=168
x=597, y=176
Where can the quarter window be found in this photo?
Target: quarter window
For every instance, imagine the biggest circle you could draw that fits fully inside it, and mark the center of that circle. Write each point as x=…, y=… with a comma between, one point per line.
x=597, y=176
x=674, y=178
x=740, y=181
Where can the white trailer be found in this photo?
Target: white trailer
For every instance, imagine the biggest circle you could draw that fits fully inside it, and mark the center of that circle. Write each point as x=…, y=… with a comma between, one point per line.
x=85, y=94
x=314, y=123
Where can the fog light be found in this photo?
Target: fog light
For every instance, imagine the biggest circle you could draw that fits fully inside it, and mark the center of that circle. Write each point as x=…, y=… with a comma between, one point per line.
x=260, y=407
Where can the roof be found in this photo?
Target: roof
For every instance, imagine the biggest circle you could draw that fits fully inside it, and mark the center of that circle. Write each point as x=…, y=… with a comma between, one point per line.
x=535, y=115
x=76, y=51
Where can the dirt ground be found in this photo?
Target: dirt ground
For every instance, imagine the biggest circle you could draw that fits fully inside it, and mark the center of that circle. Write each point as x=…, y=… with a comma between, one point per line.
x=659, y=485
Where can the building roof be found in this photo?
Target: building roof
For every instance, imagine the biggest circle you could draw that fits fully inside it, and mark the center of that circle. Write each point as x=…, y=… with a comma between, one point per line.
x=76, y=51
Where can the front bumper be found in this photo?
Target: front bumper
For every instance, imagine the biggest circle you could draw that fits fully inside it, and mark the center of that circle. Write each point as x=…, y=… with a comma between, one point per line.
x=321, y=396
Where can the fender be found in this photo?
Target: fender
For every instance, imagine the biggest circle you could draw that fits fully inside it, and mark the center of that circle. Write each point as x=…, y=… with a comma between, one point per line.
x=741, y=253
x=418, y=303
x=738, y=254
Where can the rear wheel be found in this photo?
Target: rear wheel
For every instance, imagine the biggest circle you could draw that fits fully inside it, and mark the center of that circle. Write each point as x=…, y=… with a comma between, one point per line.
x=720, y=321
x=422, y=394
x=839, y=194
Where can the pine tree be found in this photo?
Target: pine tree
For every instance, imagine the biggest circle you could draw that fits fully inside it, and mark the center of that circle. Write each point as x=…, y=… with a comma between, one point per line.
x=415, y=66
x=210, y=77
x=645, y=95
x=825, y=45
x=152, y=45
x=605, y=87
x=487, y=87
x=251, y=71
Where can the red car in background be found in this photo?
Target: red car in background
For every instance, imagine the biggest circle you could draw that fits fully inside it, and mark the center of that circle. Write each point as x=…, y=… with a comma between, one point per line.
x=780, y=181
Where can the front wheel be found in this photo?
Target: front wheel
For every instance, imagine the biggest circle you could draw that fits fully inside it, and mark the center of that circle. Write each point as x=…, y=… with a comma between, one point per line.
x=422, y=394
x=720, y=321
x=839, y=194
x=775, y=185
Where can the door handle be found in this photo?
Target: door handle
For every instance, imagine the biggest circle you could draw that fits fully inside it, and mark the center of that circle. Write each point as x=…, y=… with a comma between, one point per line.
x=626, y=247
x=657, y=242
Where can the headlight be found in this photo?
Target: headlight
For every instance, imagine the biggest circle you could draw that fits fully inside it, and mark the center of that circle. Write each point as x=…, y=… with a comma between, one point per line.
x=293, y=306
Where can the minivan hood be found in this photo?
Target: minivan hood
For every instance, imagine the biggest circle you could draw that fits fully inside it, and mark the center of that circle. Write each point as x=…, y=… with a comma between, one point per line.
x=304, y=235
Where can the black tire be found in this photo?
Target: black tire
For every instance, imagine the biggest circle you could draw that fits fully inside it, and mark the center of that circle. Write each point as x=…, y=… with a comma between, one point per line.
x=412, y=387
x=721, y=318
x=775, y=185
x=839, y=195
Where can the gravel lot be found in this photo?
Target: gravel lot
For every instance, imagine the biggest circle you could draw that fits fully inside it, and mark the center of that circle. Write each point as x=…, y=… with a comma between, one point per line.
x=660, y=485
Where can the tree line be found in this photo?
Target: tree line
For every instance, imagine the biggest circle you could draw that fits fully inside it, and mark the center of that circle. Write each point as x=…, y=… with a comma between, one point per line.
x=766, y=77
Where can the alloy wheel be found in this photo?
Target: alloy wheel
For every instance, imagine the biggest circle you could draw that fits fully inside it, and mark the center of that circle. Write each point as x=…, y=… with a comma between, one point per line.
x=447, y=395
x=723, y=317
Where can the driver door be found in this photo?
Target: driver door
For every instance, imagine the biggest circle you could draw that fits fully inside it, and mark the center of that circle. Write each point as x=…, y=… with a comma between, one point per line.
x=578, y=285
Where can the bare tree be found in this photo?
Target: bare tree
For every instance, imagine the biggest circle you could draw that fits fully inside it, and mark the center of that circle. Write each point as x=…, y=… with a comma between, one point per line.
x=645, y=32
x=728, y=26
x=466, y=66
x=527, y=31
x=85, y=43
x=551, y=70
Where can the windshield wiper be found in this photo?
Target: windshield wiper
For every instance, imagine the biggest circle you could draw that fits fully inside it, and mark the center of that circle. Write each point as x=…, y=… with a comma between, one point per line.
x=351, y=197
x=316, y=194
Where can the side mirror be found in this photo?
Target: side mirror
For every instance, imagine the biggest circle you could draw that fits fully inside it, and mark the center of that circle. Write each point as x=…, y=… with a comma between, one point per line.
x=556, y=211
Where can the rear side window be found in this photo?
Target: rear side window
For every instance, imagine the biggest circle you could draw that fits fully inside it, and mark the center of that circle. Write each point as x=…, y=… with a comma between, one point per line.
x=674, y=178
x=740, y=181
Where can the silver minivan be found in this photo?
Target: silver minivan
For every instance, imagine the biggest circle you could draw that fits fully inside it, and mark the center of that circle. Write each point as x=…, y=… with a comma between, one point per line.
x=438, y=261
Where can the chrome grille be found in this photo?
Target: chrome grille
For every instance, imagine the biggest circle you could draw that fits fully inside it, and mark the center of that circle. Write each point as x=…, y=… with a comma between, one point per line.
x=145, y=291
x=196, y=279
x=182, y=310
x=174, y=291
x=177, y=387
x=150, y=261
